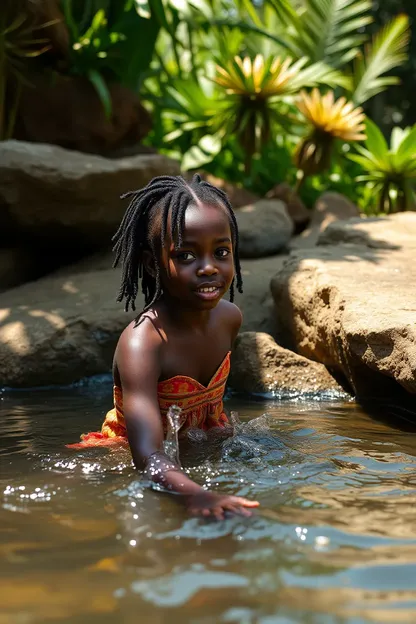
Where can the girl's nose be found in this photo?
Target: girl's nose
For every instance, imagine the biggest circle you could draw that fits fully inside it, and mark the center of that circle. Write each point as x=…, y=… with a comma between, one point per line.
x=207, y=268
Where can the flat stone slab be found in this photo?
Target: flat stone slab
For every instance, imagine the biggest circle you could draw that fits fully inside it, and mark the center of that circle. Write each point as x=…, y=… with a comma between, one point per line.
x=353, y=306
x=51, y=192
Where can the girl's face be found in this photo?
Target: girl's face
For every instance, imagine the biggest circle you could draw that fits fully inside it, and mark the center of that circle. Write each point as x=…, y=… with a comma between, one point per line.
x=200, y=272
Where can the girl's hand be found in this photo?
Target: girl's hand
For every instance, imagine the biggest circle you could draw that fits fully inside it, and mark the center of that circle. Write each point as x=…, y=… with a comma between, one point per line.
x=210, y=504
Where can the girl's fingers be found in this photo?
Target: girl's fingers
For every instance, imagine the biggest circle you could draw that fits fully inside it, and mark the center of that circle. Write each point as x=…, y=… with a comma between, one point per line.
x=246, y=503
x=238, y=509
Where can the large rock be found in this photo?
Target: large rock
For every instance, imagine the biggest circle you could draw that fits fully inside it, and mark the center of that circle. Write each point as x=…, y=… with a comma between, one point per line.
x=17, y=265
x=60, y=329
x=265, y=228
x=296, y=209
x=329, y=208
x=71, y=328
x=259, y=365
x=352, y=307
x=397, y=232
x=67, y=197
x=256, y=302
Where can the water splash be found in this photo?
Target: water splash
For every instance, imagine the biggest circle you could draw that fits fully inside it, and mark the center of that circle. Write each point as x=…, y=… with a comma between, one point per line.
x=171, y=443
x=235, y=422
x=249, y=440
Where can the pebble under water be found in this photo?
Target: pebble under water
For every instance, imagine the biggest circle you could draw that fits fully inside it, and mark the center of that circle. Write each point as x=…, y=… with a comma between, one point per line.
x=83, y=540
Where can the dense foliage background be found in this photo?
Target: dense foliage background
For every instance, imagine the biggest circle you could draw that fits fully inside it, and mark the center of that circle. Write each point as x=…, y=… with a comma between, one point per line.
x=257, y=93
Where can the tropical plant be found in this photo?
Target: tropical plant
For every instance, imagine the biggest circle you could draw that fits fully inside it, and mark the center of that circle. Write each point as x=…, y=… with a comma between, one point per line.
x=387, y=50
x=328, y=30
x=390, y=170
x=19, y=45
x=328, y=120
x=293, y=45
x=255, y=88
x=335, y=31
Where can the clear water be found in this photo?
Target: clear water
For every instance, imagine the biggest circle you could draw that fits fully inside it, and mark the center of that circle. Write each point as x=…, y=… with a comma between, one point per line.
x=83, y=541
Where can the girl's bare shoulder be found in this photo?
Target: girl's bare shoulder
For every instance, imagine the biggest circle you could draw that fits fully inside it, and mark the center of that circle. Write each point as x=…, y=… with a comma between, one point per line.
x=230, y=314
x=143, y=335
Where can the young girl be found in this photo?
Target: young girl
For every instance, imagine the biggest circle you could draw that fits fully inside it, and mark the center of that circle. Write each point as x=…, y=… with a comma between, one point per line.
x=181, y=241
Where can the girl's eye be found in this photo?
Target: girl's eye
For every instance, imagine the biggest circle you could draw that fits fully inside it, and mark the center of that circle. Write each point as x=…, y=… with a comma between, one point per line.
x=223, y=252
x=185, y=256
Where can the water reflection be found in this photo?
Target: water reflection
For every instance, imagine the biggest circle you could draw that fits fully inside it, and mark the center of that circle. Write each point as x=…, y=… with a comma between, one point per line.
x=83, y=540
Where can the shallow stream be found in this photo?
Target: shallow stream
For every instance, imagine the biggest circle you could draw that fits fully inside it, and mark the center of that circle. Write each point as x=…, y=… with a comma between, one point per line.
x=82, y=540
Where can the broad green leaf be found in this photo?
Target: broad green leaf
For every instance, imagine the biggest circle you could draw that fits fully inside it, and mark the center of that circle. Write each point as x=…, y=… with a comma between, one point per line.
x=319, y=74
x=207, y=148
x=366, y=178
x=377, y=163
x=407, y=148
x=397, y=137
x=364, y=162
x=375, y=143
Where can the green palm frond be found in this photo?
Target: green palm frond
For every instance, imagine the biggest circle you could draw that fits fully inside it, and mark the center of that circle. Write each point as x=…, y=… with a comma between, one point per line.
x=284, y=10
x=329, y=30
x=387, y=51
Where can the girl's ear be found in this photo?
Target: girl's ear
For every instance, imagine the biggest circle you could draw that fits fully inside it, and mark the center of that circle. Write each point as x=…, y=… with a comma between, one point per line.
x=149, y=263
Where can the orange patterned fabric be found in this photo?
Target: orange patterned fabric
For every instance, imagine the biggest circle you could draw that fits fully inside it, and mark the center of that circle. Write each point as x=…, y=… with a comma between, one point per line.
x=202, y=407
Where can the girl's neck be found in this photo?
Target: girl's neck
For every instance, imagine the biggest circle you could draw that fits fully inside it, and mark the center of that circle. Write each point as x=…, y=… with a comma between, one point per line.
x=184, y=316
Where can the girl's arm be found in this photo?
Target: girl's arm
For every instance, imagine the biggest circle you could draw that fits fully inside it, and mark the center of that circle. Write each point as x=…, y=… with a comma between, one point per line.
x=138, y=364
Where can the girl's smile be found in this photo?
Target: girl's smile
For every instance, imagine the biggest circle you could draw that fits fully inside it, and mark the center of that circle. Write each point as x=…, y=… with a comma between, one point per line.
x=201, y=270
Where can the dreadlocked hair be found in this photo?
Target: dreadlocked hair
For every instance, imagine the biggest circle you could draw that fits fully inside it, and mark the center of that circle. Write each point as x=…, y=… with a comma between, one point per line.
x=146, y=217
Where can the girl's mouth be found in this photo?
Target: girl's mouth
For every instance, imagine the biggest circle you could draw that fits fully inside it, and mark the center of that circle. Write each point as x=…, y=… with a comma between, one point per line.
x=208, y=292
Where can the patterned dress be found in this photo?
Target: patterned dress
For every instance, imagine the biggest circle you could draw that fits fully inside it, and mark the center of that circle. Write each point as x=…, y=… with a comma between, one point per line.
x=201, y=407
